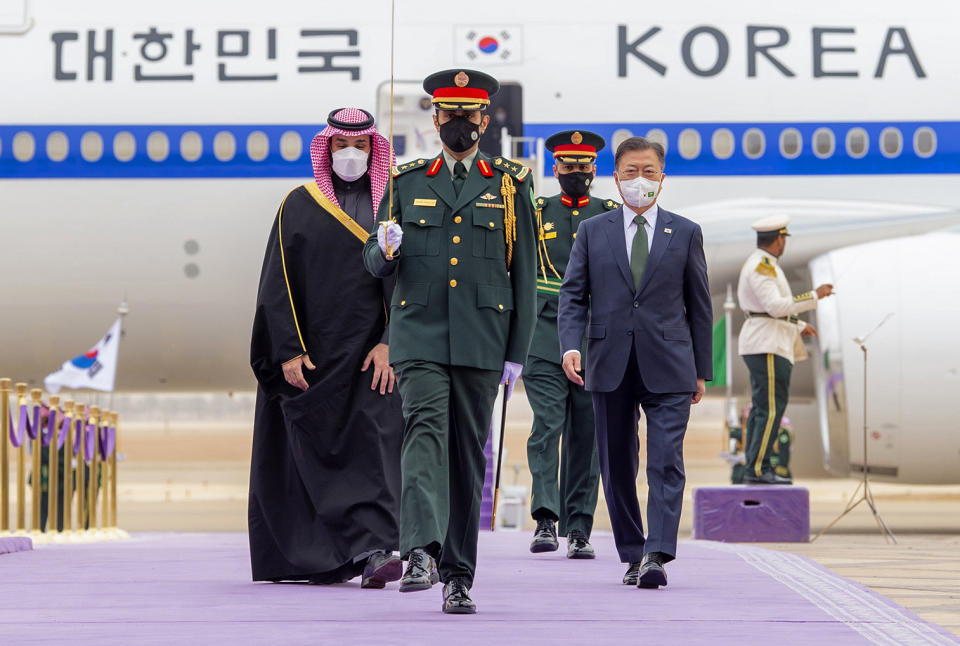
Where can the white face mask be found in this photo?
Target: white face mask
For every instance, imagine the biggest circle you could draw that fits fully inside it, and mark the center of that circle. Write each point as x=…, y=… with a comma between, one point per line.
x=639, y=192
x=350, y=163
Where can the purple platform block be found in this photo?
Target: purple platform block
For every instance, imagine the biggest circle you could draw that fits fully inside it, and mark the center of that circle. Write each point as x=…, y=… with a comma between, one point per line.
x=752, y=514
x=11, y=544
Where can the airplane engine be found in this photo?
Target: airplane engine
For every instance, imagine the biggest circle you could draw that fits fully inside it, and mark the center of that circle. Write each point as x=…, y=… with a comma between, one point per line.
x=913, y=359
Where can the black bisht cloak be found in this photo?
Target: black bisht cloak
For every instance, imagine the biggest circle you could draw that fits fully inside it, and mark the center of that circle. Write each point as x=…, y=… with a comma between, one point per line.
x=325, y=472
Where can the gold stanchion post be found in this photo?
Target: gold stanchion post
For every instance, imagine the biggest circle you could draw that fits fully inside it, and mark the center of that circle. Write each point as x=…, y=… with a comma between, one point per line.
x=36, y=477
x=4, y=457
x=113, y=473
x=92, y=487
x=22, y=467
x=68, y=467
x=81, y=471
x=53, y=468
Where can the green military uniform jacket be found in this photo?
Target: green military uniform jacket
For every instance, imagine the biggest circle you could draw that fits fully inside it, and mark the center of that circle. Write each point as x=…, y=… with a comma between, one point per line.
x=455, y=303
x=557, y=220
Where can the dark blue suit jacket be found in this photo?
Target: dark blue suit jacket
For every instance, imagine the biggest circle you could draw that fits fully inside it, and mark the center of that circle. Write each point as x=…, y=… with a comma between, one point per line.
x=668, y=321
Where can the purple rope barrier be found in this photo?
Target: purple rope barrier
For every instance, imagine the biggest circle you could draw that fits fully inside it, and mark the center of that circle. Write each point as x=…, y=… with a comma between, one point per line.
x=51, y=431
x=64, y=429
x=18, y=432
x=107, y=441
x=89, y=442
x=77, y=435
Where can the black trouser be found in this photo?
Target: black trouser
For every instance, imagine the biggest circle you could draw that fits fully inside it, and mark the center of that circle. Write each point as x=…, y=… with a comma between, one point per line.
x=770, y=386
x=618, y=445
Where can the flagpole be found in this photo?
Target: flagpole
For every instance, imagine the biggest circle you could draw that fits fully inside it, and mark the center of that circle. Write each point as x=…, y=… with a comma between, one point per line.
x=122, y=312
x=728, y=306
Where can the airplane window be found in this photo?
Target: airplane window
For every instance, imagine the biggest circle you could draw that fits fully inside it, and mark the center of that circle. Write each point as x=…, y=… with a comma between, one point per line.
x=191, y=146
x=291, y=146
x=754, y=143
x=658, y=136
x=91, y=146
x=924, y=142
x=689, y=143
x=721, y=143
x=891, y=142
x=124, y=146
x=791, y=143
x=258, y=146
x=824, y=143
x=858, y=143
x=58, y=146
x=23, y=146
x=224, y=146
x=158, y=146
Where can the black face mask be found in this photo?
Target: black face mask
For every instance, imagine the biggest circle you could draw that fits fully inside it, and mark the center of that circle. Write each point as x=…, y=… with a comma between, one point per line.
x=575, y=184
x=459, y=134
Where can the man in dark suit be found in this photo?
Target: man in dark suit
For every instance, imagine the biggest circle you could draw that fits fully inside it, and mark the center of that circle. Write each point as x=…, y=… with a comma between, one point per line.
x=639, y=274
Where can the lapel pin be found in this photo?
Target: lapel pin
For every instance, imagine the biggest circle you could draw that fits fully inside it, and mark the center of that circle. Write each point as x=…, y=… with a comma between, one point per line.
x=668, y=230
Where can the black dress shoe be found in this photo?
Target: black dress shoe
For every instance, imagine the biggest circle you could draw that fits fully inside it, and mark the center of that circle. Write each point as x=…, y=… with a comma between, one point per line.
x=578, y=547
x=767, y=478
x=633, y=573
x=545, y=537
x=456, y=599
x=421, y=572
x=652, y=574
x=381, y=568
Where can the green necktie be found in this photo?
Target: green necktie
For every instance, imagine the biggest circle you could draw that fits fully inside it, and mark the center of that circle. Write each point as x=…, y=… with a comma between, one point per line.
x=459, y=176
x=639, y=252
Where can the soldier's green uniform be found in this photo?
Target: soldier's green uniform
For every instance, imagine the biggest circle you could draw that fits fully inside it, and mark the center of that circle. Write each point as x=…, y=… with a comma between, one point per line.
x=560, y=407
x=457, y=315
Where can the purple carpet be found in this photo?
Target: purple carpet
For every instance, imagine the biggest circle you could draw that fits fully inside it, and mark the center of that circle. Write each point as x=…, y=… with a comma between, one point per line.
x=195, y=588
x=11, y=544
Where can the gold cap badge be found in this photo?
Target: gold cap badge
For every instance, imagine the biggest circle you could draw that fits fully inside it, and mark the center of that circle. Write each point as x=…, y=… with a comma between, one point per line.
x=576, y=138
x=461, y=79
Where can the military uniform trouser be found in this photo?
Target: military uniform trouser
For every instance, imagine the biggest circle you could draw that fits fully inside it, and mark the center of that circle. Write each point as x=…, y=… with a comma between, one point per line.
x=770, y=385
x=561, y=409
x=447, y=410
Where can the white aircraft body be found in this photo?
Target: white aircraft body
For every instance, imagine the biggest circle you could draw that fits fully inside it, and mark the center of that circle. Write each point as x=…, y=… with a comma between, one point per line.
x=144, y=150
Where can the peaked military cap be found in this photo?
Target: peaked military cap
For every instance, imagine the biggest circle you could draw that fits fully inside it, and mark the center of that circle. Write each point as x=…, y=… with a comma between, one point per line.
x=772, y=223
x=461, y=89
x=575, y=146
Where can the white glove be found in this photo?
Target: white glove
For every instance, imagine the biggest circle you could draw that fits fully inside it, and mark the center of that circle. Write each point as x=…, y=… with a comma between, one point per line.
x=391, y=234
x=511, y=373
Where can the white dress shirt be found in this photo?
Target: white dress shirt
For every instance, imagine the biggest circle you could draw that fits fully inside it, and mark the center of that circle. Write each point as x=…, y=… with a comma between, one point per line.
x=467, y=161
x=630, y=227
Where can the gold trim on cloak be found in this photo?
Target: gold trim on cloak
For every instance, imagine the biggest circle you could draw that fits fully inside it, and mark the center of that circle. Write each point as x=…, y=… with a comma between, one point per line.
x=341, y=216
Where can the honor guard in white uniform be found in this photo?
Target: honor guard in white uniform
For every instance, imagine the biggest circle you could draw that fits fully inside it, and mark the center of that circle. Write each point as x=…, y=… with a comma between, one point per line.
x=770, y=343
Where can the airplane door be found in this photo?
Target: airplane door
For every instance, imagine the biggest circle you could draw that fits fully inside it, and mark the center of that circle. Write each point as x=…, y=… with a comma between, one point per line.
x=414, y=134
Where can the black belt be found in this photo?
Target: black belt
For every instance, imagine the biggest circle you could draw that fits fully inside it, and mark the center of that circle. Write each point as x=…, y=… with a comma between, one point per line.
x=764, y=315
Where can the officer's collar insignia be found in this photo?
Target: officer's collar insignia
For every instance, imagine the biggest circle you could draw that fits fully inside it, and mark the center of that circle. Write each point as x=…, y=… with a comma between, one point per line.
x=461, y=79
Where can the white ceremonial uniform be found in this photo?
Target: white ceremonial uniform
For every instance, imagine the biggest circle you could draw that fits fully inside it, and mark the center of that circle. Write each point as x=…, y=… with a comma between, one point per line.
x=763, y=289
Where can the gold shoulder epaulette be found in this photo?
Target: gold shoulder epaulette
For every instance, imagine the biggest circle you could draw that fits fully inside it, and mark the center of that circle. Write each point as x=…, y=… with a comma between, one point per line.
x=516, y=170
x=409, y=166
x=765, y=268
x=806, y=296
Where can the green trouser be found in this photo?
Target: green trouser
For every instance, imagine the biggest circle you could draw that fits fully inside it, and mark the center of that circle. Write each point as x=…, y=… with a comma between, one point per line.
x=770, y=384
x=447, y=410
x=561, y=409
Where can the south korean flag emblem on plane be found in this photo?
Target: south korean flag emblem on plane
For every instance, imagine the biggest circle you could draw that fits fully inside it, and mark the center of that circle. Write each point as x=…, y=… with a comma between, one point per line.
x=489, y=44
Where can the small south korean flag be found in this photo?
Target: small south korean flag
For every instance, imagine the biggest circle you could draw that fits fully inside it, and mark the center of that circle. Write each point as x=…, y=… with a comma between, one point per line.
x=489, y=45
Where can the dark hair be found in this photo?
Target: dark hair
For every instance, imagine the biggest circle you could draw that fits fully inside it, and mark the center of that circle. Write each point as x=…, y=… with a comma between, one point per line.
x=767, y=238
x=639, y=143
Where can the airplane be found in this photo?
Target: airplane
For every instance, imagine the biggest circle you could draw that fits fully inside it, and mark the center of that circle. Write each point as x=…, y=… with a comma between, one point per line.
x=144, y=152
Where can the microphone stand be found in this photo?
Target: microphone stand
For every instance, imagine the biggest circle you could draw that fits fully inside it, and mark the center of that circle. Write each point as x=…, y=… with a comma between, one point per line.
x=863, y=493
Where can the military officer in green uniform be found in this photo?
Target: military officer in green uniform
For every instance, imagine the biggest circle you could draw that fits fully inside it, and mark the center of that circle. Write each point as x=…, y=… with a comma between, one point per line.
x=562, y=409
x=458, y=231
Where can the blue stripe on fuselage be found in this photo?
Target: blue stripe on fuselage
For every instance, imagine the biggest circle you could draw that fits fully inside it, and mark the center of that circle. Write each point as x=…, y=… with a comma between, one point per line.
x=945, y=159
